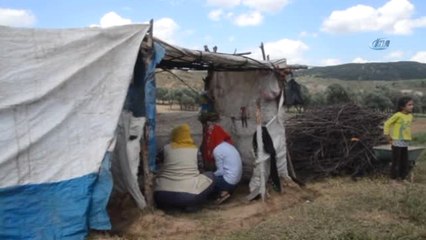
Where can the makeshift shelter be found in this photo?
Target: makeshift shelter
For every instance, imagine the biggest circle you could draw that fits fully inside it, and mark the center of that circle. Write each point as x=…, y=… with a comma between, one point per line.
x=62, y=93
x=236, y=83
x=74, y=103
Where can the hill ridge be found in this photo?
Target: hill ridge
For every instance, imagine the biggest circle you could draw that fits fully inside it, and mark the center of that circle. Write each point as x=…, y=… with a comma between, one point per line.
x=386, y=71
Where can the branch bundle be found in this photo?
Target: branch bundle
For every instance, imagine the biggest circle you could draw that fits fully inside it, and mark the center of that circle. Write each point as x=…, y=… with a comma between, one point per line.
x=335, y=140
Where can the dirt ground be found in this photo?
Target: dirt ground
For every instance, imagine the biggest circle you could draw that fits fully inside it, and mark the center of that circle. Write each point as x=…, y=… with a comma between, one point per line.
x=212, y=221
x=419, y=125
x=167, y=119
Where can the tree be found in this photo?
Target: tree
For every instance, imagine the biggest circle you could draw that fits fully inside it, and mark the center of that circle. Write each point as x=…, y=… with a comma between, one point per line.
x=186, y=102
x=162, y=94
x=417, y=103
x=378, y=101
x=317, y=99
x=305, y=95
x=171, y=97
x=191, y=93
x=423, y=104
x=358, y=96
x=186, y=98
x=335, y=93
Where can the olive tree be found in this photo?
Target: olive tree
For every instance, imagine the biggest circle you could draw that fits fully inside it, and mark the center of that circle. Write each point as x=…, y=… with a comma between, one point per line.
x=335, y=93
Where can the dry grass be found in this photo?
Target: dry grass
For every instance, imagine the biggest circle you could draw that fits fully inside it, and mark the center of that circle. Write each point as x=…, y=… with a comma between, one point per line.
x=335, y=208
x=366, y=209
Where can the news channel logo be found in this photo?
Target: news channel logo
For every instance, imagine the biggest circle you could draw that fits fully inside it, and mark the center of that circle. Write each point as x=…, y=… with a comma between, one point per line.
x=380, y=44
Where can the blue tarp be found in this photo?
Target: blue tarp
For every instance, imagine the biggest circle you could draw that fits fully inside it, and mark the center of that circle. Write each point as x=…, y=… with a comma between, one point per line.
x=150, y=103
x=141, y=98
x=60, y=210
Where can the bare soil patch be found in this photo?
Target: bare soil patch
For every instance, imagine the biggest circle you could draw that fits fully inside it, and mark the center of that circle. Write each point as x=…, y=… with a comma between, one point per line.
x=213, y=220
x=419, y=125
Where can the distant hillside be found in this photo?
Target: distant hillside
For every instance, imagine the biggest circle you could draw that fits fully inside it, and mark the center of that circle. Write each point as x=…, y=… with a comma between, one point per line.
x=370, y=71
x=171, y=79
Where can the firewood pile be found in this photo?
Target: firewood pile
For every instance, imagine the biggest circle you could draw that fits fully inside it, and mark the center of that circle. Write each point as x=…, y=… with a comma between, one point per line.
x=335, y=140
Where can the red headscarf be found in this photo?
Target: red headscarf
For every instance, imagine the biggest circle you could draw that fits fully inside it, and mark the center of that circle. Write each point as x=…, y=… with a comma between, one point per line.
x=214, y=136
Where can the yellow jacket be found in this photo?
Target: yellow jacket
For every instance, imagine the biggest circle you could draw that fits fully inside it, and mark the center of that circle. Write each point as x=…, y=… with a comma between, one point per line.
x=401, y=124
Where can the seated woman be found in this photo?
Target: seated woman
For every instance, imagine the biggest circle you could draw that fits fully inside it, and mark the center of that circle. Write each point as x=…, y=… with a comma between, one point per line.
x=219, y=147
x=179, y=184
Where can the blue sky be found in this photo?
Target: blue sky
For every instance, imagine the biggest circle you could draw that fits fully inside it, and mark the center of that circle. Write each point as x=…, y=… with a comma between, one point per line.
x=311, y=32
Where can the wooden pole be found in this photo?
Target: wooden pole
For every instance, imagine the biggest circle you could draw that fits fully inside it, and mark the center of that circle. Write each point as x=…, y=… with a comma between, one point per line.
x=263, y=51
x=260, y=152
x=151, y=33
x=148, y=179
x=148, y=176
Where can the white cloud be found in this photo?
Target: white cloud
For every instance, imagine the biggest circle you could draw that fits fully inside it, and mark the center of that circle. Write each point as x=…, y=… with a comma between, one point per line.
x=395, y=55
x=330, y=61
x=166, y=29
x=16, y=17
x=419, y=57
x=216, y=15
x=248, y=19
x=224, y=3
x=257, y=5
x=252, y=10
x=230, y=15
x=308, y=34
x=111, y=19
x=393, y=17
x=231, y=38
x=266, y=5
x=358, y=60
x=292, y=50
x=419, y=22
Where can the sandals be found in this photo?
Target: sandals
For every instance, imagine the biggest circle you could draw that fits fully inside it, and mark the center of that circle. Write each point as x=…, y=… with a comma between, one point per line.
x=222, y=198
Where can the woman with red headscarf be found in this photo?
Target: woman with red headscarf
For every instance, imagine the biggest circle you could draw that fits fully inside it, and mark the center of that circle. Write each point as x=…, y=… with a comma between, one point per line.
x=218, y=148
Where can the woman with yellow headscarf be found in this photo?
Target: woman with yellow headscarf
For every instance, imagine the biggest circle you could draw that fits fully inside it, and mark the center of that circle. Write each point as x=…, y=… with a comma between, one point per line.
x=179, y=183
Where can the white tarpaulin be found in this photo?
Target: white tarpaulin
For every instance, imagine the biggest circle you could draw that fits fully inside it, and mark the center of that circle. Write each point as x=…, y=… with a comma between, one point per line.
x=61, y=95
x=125, y=160
x=234, y=90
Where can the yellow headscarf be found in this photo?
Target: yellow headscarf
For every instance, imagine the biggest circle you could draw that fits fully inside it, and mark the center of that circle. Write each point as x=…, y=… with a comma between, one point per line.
x=181, y=137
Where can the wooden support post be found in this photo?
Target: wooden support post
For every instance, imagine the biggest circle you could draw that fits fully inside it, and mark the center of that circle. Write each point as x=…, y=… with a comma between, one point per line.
x=148, y=178
x=151, y=33
x=260, y=153
x=263, y=51
x=148, y=175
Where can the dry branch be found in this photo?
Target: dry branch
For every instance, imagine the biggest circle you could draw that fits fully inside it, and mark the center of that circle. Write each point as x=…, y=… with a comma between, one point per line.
x=335, y=140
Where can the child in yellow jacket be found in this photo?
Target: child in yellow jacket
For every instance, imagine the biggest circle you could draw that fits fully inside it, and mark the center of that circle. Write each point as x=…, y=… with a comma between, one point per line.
x=399, y=137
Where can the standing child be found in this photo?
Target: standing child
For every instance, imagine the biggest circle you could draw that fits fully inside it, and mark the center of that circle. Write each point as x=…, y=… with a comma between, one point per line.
x=400, y=136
